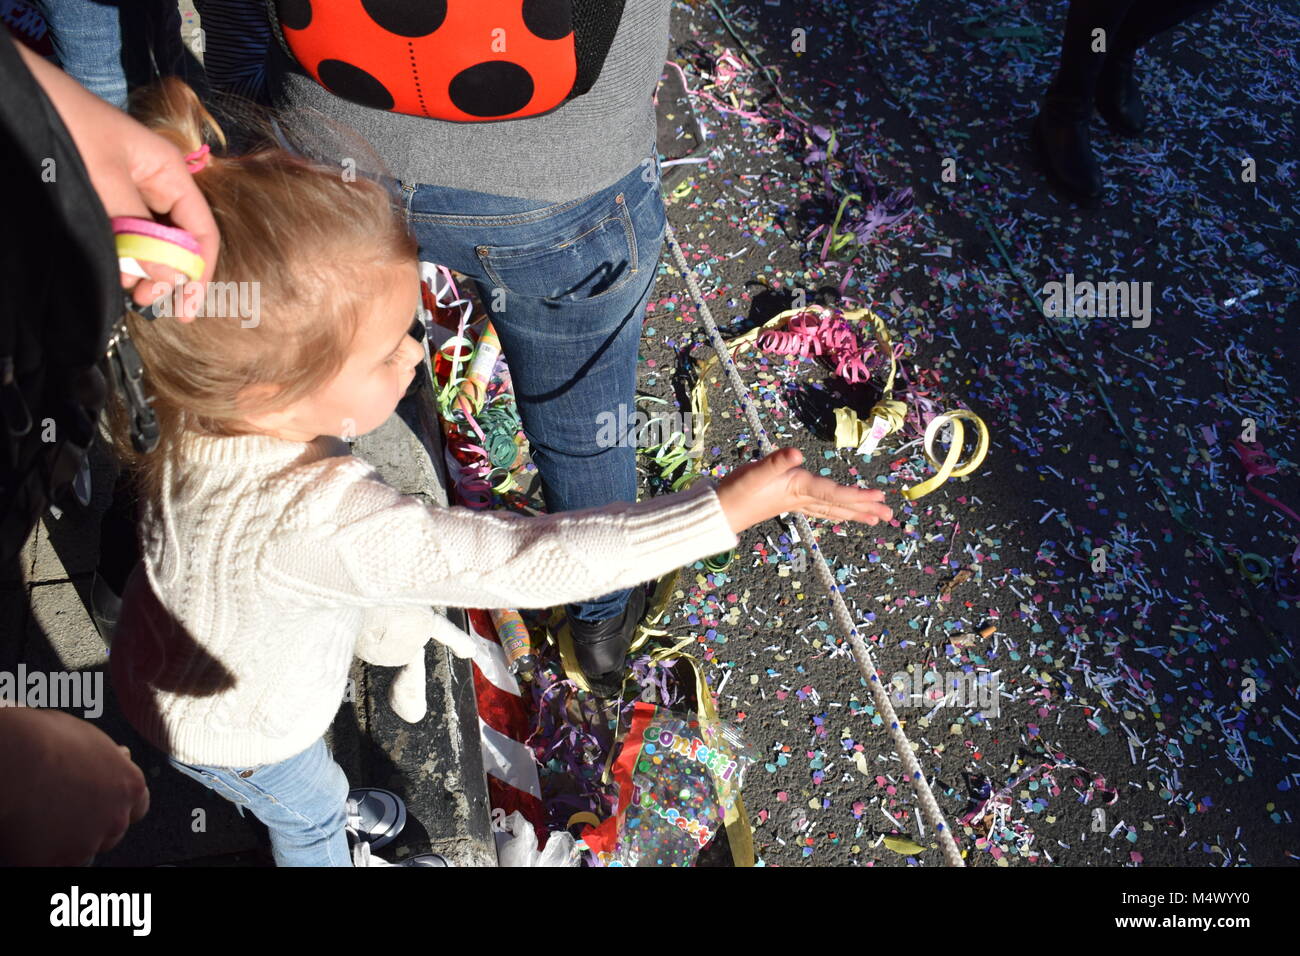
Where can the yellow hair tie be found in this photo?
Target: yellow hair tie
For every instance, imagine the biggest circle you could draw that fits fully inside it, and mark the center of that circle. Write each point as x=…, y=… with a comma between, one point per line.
x=159, y=250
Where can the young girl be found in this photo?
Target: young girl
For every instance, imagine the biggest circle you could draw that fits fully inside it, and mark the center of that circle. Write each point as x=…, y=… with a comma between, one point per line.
x=269, y=550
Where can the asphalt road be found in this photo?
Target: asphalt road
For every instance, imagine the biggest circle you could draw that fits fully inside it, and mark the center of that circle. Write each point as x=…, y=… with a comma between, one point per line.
x=1123, y=731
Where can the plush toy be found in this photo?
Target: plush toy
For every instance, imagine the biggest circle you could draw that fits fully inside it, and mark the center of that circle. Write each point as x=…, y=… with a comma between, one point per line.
x=395, y=637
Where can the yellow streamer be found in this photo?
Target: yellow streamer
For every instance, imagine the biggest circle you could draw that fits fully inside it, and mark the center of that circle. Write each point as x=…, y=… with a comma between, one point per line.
x=887, y=416
x=850, y=431
x=950, y=466
x=1253, y=567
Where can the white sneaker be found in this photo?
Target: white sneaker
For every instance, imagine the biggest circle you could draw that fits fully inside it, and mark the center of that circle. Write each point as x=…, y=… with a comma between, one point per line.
x=361, y=856
x=375, y=816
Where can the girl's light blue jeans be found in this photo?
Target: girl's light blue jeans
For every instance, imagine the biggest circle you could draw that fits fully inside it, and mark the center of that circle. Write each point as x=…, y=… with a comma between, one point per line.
x=302, y=801
x=566, y=286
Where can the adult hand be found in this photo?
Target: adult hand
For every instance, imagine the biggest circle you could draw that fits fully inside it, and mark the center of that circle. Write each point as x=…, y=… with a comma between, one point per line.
x=776, y=484
x=137, y=173
x=70, y=791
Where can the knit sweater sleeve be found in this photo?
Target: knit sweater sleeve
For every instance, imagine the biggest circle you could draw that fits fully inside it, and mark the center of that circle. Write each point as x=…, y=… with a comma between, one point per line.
x=349, y=539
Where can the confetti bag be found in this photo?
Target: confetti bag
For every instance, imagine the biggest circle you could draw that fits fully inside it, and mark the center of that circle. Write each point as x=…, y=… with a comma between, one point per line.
x=679, y=780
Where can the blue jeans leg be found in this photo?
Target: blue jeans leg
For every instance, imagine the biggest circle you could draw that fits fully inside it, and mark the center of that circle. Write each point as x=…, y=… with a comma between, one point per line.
x=566, y=285
x=87, y=41
x=302, y=801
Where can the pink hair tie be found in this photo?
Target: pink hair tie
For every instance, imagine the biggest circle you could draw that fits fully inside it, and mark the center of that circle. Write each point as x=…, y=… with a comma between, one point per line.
x=198, y=159
x=130, y=225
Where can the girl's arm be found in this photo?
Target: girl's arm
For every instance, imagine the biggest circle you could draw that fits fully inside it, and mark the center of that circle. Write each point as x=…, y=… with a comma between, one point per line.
x=360, y=542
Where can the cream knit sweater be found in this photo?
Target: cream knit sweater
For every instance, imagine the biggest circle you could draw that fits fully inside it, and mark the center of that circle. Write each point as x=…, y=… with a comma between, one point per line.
x=264, y=555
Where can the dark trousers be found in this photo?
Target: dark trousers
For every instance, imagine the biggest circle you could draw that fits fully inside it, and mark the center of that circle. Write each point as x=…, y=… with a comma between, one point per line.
x=1129, y=24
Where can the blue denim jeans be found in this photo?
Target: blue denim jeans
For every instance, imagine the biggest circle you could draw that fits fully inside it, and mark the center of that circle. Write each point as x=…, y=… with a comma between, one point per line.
x=302, y=801
x=87, y=41
x=566, y=286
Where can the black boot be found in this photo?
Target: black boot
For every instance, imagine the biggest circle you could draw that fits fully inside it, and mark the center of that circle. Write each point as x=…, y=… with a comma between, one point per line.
x=601, y=646
x=1119, y=99
x=1062, y=139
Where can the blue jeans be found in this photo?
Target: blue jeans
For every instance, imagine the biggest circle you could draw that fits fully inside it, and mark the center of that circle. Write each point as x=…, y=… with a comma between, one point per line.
x=302, y=801
x=87, y=41
x=566, y=286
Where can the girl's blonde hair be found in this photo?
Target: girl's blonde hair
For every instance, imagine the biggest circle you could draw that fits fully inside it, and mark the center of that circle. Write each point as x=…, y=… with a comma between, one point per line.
x=309, y=236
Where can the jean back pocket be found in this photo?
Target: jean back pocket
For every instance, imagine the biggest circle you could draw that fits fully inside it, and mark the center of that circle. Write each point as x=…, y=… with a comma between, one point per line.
x=592, y=256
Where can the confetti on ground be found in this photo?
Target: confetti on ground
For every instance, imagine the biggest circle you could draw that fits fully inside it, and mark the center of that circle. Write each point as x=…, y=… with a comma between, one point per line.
x=1123, y=651
x=1084, y=666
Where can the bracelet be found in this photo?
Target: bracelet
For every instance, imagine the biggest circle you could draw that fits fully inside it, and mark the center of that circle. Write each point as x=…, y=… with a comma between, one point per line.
x=130, y=225
x=164, y=251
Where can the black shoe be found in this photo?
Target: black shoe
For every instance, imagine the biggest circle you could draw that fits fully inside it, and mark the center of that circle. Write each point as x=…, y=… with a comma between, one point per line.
x=1061, y=136
x=601, y=646
x=1119, y=98
x=105, y=607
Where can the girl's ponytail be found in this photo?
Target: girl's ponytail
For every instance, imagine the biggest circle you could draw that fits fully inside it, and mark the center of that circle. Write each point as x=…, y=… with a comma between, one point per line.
x=173, y=110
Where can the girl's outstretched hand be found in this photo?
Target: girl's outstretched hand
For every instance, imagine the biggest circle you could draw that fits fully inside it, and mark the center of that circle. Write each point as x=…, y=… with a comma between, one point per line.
x=777, y=484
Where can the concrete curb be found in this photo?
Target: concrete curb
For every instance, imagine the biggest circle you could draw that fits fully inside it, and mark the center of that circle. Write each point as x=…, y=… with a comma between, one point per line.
x=437, y=765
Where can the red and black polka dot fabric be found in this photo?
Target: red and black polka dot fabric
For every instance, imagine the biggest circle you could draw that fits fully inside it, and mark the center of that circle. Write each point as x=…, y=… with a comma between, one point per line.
x=458, y=60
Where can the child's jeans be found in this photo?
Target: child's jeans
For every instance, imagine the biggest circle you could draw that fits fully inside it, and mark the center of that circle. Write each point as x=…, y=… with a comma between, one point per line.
x=302, y=801
x=566, y=287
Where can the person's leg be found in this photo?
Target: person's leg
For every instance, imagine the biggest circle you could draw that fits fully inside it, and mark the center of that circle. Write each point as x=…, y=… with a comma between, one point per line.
x=1119, y=98
x=581, y=354
x=152, y=45
x=87, y=41
x=566, y=286
x=302, y=801
x=1147, y=19
x=236, y=38
x=1083, y=51
x=1061, y=129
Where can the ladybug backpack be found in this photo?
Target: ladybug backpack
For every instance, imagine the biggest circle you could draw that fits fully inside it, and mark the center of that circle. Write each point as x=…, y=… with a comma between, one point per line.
x=466, y=61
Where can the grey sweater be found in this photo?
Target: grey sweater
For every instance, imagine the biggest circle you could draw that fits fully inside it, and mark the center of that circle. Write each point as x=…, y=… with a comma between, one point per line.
x=581, y=147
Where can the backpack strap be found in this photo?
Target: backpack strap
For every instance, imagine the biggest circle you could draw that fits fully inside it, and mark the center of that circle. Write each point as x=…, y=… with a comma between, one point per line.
x=273, y=15
x=594, y=24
